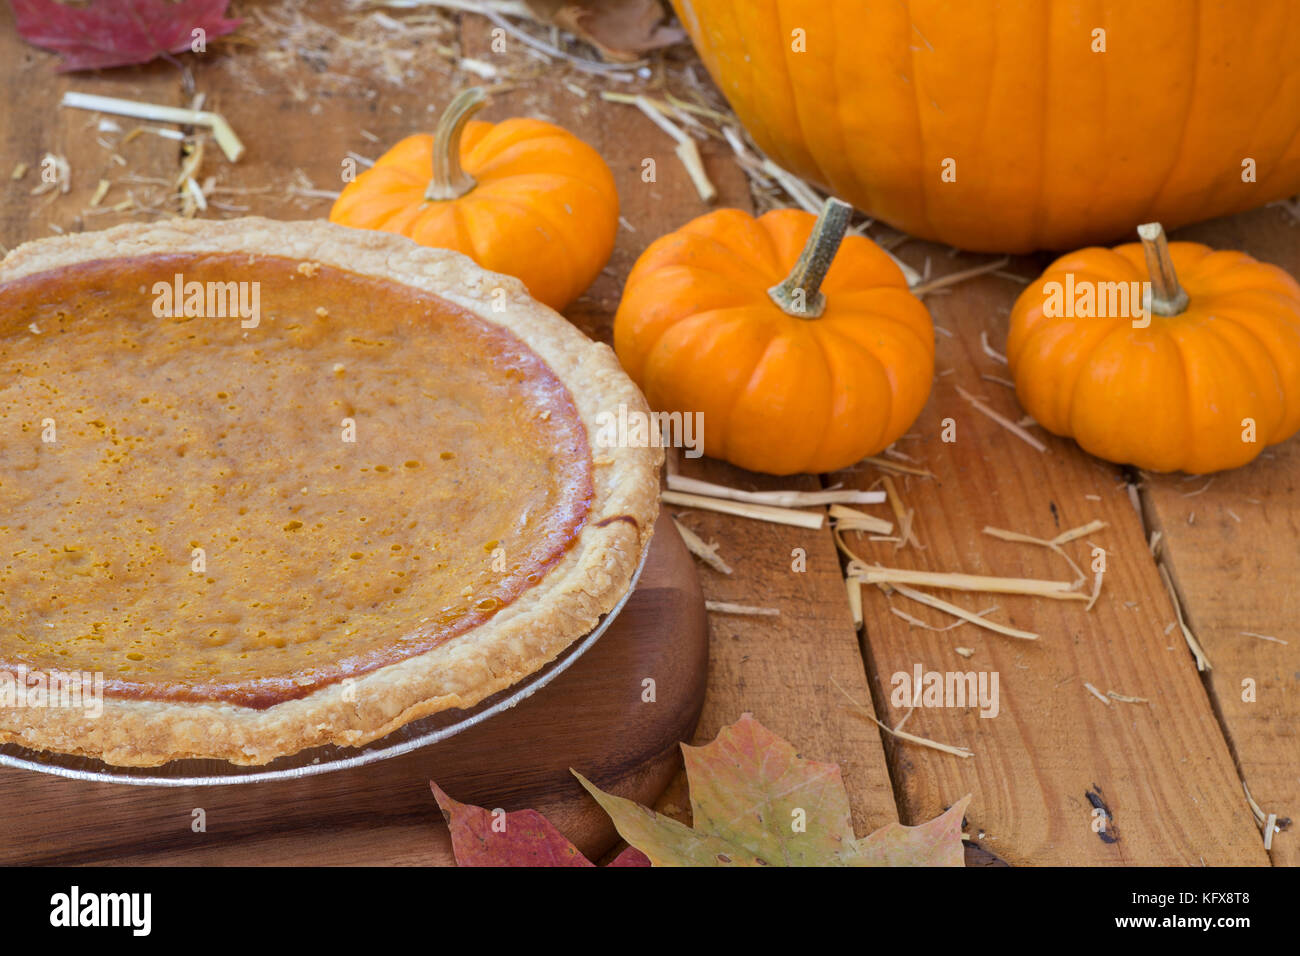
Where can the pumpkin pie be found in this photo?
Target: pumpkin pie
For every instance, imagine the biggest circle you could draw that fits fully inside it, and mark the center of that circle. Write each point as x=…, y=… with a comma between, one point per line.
x=278, y=485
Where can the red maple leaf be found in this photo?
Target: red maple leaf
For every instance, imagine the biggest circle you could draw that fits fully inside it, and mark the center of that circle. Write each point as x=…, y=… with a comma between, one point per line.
x=102, y=33
x=481, y=837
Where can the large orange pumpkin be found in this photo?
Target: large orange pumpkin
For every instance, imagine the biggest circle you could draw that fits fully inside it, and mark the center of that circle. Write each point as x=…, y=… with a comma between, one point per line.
x=799, y=356
x=1052, y=145
x=523, y=197
x=1204, y=379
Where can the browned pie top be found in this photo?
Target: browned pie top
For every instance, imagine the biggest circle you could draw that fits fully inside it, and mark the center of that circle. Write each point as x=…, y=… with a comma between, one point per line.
x=469, y=476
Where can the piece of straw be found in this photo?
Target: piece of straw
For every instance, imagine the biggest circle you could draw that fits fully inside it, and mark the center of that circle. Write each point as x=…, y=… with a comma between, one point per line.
x=953, y=278
x=1125, y=698
x=1265, y=637
x=708, y=553
x=789, y=516
x=1053, y=544
x=798, y=190
x=221, y=130
x=903, y=516
x=748, y=610
x=783, y=499
x=884, y=464
x=1096, y=693
x=990, y=351
x=1057, y=590
x=854, y=589
x=902, y=735
x=851, y=519
x=686, y=150
x=1002, y=420
x=1202, y=662
x=940, y=605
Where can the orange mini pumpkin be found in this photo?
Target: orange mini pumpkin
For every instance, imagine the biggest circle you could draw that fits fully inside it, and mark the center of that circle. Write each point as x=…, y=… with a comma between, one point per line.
x=730, y=316
x=1201, y=380
x=523, y=197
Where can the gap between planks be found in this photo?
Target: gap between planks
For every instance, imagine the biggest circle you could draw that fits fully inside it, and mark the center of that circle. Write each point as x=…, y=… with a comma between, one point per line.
x=1154, y=524
x=1147, y=515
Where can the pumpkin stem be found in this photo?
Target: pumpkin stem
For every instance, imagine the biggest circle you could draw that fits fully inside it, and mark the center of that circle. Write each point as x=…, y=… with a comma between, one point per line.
x=449, y=180
x=800, y=294
x=1167, y=296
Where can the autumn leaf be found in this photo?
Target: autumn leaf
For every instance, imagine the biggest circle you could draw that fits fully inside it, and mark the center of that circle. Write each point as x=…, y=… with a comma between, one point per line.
x=619, y=29
x=756, y=802
x=481, y=837
x=93, y=34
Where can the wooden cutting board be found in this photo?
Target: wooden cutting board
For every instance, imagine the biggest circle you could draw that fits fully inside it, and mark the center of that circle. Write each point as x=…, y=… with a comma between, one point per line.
x=594, y=717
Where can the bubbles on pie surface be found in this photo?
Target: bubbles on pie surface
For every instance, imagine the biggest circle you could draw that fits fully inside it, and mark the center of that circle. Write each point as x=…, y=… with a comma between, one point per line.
x=149, y=465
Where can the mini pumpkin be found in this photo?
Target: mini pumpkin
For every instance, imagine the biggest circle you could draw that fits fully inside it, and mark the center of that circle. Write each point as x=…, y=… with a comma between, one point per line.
x=522, y=196
x=1202, y=379
x=800, y=357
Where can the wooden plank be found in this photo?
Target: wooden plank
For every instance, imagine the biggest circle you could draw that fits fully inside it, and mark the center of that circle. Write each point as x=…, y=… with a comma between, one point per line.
x=778, y=668
x=33, y=124
x=784, y=669
x=306, y=95
x=1230, y=545
x=1054, y=752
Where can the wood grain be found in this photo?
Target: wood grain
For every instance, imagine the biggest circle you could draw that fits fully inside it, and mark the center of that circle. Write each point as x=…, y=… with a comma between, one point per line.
x=33, y=124
x=1162, y=770
x=1231, y=545
x=784, y=669
x=1165, y=771
x=593, y=717
x=778, y=668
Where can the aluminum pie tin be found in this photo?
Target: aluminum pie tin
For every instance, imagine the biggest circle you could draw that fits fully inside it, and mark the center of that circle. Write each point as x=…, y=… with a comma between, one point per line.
x=318, y=760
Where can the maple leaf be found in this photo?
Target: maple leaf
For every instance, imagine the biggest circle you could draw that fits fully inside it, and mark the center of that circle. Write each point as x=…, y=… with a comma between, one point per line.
x=519, y=838
x=95, y=34
x=756, y=802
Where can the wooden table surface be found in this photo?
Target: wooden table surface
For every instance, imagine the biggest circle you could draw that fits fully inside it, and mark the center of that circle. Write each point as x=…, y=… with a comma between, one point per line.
x=305, y=84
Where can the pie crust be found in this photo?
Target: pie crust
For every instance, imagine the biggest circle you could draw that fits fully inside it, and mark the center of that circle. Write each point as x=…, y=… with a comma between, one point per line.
x=586, y=579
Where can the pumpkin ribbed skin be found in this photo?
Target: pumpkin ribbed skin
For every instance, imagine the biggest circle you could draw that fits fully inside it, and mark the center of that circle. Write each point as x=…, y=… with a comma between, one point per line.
x=544, y=209
x=1172, y=396
x=1056, y=146
x=781, y=394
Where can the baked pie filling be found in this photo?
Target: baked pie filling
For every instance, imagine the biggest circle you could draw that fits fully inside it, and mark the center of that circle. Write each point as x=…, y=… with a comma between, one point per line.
x=229, y=514
x=303, y=495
